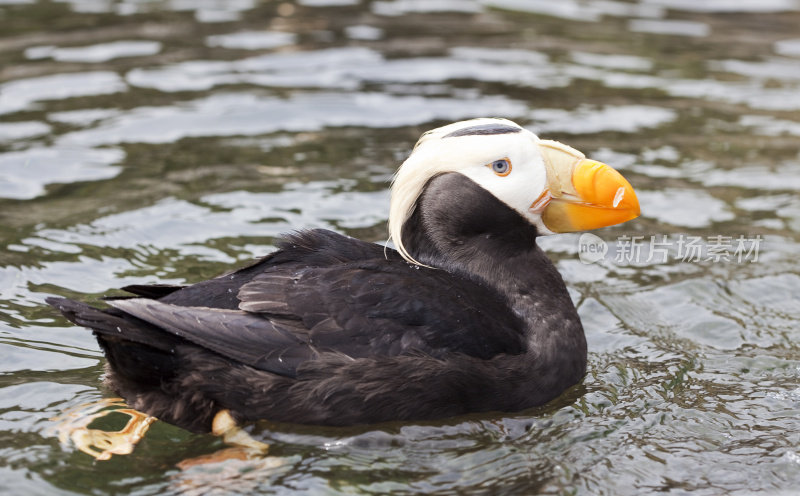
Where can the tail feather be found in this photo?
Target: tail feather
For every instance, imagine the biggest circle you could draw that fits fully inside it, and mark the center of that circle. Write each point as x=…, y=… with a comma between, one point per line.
x=152, y=291
x=114, y=324
x=137, y=351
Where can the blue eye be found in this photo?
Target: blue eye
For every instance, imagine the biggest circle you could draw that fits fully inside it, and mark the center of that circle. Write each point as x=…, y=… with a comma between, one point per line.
x=501, y=167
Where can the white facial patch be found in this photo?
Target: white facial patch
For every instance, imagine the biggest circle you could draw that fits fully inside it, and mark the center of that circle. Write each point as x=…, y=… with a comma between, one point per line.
x=527, y=180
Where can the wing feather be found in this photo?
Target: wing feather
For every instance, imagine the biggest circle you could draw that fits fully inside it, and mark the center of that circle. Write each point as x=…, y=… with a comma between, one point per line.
x=245, y=337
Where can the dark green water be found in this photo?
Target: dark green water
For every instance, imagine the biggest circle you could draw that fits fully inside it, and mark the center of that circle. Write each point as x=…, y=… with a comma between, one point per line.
x=148, y=141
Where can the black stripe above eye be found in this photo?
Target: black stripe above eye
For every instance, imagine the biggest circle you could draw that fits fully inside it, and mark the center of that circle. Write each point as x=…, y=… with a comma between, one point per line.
x=483, y=130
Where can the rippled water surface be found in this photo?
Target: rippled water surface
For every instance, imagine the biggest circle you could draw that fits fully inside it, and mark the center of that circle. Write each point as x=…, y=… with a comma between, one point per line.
x=163, y=141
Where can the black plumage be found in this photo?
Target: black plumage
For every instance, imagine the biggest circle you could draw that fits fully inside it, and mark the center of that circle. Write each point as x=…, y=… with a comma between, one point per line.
x=332, y=330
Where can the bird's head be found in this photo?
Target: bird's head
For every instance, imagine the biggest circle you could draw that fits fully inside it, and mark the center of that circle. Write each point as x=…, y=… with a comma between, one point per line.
x=553, y=186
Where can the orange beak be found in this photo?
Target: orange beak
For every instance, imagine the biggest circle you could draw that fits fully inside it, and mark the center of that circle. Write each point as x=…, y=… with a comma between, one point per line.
x=582, y=194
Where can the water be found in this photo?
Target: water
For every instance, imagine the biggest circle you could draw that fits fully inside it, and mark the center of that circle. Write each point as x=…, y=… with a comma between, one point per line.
x=163, y=141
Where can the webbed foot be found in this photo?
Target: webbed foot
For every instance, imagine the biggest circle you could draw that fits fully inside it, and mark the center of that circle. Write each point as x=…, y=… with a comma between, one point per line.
x=241, y=446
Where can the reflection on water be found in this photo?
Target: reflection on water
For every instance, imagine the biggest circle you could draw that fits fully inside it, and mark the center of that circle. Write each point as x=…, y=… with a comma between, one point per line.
x=236, y=114
x=23, y=94
x=95, y=53
x=163, y=141
x=25, y=173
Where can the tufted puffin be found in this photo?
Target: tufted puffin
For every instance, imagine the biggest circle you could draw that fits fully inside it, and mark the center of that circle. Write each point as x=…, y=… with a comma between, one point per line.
x=467, y=314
